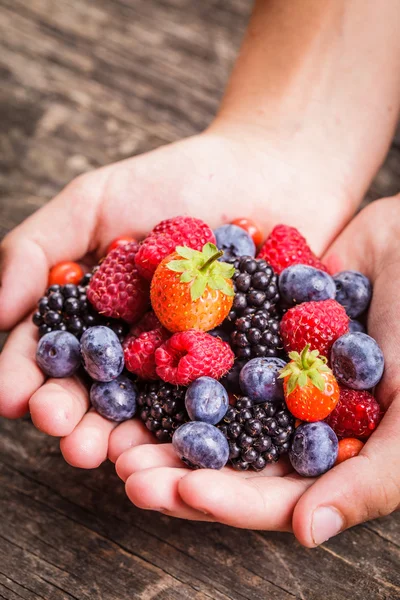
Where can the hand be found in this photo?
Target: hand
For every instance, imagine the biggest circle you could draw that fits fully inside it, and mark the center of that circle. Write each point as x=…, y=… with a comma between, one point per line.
x=210, y=176
x=363, y=488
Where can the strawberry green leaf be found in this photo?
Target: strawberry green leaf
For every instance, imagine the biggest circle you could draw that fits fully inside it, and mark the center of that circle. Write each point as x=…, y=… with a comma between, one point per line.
x=209, y=250
x=185, y=252
x=180, y=266
x=187, y=277
x=317, y=380
x=198, y=287
x=302, y=379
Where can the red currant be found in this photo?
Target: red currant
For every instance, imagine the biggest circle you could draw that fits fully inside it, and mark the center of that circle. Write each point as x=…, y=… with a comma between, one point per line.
x=252, y=229
x=65, y=272
x=120, y=241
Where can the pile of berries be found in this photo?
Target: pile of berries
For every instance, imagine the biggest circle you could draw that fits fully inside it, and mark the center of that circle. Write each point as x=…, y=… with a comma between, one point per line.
x=234, y=357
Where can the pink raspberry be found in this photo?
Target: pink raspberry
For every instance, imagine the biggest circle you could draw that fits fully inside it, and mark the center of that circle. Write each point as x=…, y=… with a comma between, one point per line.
x=357, y=414
x=116, y=289
x=139, y=352
x=191, y=354
x=163, y=239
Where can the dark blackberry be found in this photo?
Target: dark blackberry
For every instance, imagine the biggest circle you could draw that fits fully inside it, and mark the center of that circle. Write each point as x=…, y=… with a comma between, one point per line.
x=256, y=335
x=256, y=288
x=257, y=434
x=162, y=408
x=66, y=308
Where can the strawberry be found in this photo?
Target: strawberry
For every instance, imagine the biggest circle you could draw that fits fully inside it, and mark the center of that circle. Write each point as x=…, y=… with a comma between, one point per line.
x=286, y=246
x=188, y=355
x=192, y=289
x=356, y=415
x=311, y=390
x=116, y=289
x=163, y=239
x=318, y=324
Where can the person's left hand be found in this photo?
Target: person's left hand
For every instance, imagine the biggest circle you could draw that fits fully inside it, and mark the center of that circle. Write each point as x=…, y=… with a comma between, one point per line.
x=362, y=488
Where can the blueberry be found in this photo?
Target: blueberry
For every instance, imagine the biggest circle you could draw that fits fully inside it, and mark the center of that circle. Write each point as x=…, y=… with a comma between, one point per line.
x=355, y=326
x=301, y=283
x=353, y=291
x=259, y=380
x=357, y=361
x=58, y=354
x=201, y=445
x=114, y=400
x=103, y=356
x=221, y=333
x=314, y=449
x=206, y=400
x=234, y=241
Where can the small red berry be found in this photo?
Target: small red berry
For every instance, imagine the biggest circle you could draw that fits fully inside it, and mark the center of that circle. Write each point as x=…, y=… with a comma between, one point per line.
x=188, y=355
x=285, y=246
x=348, y=448
x=318, y=324
x=120, y=241
x=139, y=352
x=65, y=272
x=252, y=228
x=357, y=414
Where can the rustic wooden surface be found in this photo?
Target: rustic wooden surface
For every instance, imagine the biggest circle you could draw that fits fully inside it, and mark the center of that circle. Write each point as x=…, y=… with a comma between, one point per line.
x=83, y=83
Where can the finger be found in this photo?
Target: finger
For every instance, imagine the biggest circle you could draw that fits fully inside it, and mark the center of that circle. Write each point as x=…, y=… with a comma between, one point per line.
x=20, y=376
x=164, y=455
x=87, y=446
x=252, y=503
x=59, y=405
x=61, y=230
x=163, y=497
x=147, y=456
x=127, y=435
x=362, y=488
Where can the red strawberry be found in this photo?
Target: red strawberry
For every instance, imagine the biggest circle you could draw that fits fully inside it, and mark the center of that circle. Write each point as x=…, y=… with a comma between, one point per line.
x=285, y=246
x=116, y=289
x=139, y=352
x=188, y=355
x=166, y=236
x=356, y=415
x=318, y=324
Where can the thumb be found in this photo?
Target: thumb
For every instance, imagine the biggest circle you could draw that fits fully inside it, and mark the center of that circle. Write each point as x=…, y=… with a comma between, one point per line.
x=362, y=488
x=61, y=230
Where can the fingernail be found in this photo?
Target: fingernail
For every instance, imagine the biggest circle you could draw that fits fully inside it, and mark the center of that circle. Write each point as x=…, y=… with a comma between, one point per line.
x=326, y=523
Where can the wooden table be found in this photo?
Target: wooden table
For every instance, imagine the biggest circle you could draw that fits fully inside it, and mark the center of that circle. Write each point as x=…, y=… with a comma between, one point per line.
x=84, y=83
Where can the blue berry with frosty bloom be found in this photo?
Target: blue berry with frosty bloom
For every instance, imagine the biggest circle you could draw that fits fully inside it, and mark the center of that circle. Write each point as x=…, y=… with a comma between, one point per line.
x=102, y=353
x=58, y=354
x=353, y=291
x=116, y=399
x=206, y=400
x=357, y=361
x=314, y=449
x=234, y=241
x=201, y=445
x=302, y=283
x=259, y=380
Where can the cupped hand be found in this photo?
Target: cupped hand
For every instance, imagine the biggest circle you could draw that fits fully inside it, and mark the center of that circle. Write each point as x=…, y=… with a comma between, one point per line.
x=362, y=488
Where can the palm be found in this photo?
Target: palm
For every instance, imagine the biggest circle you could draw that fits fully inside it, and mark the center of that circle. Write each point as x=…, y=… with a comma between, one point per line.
x=206, y=176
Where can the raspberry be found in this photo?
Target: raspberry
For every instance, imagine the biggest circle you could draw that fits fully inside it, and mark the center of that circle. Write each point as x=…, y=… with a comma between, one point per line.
x=356, y=415
x=191, y=354
x=163, y=239
x=286, y=246
x=148, y=322
x=318, y=324
x=139, y=352
x=116, y=289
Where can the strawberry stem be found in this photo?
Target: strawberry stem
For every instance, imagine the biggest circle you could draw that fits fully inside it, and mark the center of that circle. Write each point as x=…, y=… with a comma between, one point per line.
x=211, y=260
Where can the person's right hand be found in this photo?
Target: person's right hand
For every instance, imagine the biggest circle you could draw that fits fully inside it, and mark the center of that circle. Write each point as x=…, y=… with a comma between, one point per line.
x=210, y=176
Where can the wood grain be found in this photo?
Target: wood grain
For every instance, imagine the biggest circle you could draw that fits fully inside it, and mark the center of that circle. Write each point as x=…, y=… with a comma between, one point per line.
x=83, y=84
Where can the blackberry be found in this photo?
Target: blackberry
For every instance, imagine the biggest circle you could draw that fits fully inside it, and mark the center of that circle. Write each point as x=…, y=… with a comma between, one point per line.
x=256, y=335
x=66, y=308
x=161, y=407
x=256, y=288
x=257, y=434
